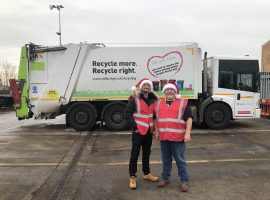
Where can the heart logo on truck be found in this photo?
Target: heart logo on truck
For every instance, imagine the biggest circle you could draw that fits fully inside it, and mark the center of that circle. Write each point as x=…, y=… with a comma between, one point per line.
x=169, y=64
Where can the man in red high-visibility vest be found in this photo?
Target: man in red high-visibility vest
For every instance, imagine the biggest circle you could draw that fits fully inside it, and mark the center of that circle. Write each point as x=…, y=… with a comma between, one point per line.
x=173, y=126
x=140, y=117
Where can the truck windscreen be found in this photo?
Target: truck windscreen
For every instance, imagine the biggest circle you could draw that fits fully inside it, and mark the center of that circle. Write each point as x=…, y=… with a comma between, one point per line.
x=239, y=75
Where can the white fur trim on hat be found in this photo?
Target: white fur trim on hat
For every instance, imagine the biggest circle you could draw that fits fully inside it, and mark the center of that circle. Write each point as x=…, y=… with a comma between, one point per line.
x=172, y=86
x=169, y=85
x=146, y=81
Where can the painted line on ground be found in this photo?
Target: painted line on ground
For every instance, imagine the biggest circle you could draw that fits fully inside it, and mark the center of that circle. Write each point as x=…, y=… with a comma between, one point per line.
x=16, y=126
x=197, y=161
x=127, y=163
x=232, y=131
x=28, y=164
x=69, y=132
x=193, y=132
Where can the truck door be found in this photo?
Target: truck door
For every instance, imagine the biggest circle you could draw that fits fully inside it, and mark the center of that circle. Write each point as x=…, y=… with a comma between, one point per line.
x=244, y=98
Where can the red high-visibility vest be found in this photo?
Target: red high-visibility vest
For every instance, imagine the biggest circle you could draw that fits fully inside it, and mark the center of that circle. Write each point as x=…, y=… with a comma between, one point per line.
x=170, y=122
x=144, y=116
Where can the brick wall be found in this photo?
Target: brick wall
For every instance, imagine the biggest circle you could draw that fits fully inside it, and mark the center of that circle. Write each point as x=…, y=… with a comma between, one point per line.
x=266, y=57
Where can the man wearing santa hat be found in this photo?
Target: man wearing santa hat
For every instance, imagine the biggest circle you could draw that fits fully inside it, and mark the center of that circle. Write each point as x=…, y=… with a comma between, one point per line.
x=140, y=117
x=173, y=126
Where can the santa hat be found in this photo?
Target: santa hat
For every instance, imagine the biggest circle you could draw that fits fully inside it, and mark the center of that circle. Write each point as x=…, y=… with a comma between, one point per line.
x=174, y=87
x=141, y=83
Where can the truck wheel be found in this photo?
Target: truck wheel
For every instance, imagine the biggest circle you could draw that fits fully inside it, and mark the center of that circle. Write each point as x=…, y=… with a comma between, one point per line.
x=114, y=117
x=217, y=116
x=81, y=116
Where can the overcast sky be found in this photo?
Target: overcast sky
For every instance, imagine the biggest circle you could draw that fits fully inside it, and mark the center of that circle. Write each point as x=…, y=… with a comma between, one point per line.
x=228, y=27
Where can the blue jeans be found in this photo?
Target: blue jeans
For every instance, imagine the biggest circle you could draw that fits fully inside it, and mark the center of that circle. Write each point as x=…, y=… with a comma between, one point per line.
x=176, y=150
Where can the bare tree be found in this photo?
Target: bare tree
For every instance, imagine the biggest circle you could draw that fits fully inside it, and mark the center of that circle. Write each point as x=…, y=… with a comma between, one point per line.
x=7, y=71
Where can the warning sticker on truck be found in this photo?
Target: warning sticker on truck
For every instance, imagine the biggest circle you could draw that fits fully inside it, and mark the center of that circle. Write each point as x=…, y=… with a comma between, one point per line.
x=52, y=94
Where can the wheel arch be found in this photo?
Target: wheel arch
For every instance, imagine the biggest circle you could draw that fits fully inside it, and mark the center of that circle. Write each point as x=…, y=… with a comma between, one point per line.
x=109, y=105
x=77, y=103
x=217, y=115
x=113, y=114
x=208, y=102
x=89, y=109
x=203, y=107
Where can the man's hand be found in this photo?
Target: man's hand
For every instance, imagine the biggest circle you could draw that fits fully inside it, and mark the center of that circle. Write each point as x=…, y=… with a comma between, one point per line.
x=188, y=130
x=156, y=135
x=156, y=130
x=187, y=137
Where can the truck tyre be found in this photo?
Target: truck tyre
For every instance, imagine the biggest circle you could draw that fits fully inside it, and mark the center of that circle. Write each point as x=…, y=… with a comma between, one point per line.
x=67, y=123
x=114, y=117
x=217, y=116
x=81, y=116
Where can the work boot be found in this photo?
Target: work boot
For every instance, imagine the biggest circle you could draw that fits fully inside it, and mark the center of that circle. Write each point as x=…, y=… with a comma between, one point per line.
x=163, y=183
x=132, y=182
x=150, y=177
x=184, y=187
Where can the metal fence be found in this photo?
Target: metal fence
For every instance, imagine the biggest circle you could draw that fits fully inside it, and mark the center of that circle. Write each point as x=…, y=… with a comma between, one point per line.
x=265, y=85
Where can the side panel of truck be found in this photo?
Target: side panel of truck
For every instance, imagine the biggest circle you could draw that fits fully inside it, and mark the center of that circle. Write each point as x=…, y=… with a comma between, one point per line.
x=88, y=73
x=109, y=73
x=89, y=82
x=45, y=96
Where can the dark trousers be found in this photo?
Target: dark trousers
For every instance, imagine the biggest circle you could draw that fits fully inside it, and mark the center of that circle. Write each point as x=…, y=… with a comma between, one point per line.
x=138, y=141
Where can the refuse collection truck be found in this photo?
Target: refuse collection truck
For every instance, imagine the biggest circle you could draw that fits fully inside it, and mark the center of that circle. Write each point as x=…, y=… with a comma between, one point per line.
x=91, y=82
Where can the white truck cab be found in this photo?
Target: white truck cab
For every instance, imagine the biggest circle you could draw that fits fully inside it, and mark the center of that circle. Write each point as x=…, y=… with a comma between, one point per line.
x=233, y=85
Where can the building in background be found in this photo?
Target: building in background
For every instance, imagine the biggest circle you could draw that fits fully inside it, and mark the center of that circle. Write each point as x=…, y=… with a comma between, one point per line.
x=266, y=57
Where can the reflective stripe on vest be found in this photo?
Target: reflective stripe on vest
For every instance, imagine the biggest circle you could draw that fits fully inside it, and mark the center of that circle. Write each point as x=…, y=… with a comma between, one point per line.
x=181, y=110
x=171, y=130
x=143, y=116
x=144, y=124
x=157, y=107
x=171, y=120
x=138, y=105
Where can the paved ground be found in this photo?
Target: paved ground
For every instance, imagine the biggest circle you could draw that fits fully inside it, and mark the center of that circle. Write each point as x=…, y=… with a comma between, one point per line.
x=45, y=160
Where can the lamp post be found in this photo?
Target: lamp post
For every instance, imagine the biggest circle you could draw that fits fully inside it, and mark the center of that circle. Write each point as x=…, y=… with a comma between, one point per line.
x=58, y=7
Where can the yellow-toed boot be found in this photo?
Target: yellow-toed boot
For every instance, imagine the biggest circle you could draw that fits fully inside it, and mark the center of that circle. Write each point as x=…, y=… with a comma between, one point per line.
x=150, y=177
x=132, y=182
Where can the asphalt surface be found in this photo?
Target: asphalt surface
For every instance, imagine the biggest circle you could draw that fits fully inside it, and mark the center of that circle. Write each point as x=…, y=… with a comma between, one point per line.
x=42, y=159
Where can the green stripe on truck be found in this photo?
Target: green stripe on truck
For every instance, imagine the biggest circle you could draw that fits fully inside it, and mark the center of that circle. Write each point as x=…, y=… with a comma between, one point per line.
x=40, y=66
x=22, y=112
x=110, y=94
